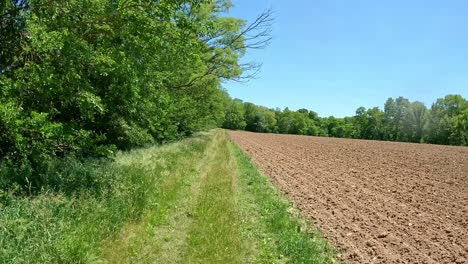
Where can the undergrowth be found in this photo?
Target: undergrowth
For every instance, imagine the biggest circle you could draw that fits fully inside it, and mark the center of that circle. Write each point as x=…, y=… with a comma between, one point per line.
x=66, y=224
x=200, y=200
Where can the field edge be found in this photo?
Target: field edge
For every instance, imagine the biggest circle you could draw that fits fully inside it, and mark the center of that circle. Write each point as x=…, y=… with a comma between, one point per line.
x=295, y=238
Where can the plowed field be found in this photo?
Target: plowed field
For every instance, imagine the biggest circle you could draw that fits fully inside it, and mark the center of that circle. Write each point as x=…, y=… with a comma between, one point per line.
x=378, y=202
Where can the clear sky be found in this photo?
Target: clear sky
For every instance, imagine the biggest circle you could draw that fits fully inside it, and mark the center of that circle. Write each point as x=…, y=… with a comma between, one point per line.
x=333, y=56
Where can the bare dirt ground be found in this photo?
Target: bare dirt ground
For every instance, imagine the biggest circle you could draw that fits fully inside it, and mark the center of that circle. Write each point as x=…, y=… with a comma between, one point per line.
x=379, y=202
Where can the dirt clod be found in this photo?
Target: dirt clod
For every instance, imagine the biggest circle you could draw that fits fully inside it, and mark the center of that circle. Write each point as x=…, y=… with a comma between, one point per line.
x=383, y=235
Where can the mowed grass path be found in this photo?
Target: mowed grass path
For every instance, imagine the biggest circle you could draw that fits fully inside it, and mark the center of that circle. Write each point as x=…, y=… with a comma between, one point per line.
x=200, y=200
x=226, y=212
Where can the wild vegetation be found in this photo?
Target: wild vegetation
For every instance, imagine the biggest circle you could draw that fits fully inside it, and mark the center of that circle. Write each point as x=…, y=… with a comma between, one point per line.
x=87, y=78
x=199, y=200
x=446, y=122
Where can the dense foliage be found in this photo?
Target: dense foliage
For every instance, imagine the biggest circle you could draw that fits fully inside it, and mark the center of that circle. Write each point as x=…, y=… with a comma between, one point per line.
x=87, y=77
x=446, y=122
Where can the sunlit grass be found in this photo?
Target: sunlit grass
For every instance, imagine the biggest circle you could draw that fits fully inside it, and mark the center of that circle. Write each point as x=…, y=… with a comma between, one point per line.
x=200, y=200
x=215, y=234
x=57, y=228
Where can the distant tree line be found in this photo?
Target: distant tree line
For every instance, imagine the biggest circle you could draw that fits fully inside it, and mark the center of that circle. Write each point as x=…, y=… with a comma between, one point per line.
x=445, y=122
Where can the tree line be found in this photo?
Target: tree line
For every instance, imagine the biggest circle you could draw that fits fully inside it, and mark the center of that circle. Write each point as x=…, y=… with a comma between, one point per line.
x=85, y=78
x=445, y=122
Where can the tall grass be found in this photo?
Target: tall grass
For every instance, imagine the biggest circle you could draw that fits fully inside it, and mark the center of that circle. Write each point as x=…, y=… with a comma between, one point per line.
x=200, y=200
x=68, y=224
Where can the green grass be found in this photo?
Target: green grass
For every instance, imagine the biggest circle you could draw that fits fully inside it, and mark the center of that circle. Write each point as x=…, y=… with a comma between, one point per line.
x=283, y=236
x=57, y=228
x=200, y=200
x=215, y=234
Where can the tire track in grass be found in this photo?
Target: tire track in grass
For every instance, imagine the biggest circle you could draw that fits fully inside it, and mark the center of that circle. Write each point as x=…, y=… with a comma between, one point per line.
x=171, y=240
x=147, y=240
x=219, y=209
x=215, y=234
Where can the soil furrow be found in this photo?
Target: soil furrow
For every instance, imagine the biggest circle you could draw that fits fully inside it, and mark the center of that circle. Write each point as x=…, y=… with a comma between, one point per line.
x=381, y=202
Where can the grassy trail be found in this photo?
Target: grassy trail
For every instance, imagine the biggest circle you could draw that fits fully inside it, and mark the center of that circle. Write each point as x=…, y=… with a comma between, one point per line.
x=200, y=200
x=226, y=213
x=193, y=230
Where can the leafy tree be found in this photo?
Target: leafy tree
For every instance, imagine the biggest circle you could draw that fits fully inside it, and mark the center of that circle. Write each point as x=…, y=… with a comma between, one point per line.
x=459, y=135
x=362, y=123
x=259, y=118
x=339, y=127
x=369, y=123
x=299, y=123
x=235, y=113
x=12, y=33
x=416, y=121
x=395, y=112
x=443, y=118
x=87, y=77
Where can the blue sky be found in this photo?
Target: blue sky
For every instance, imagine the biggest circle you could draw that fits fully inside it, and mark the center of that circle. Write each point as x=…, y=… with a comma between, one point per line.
x=333, y=56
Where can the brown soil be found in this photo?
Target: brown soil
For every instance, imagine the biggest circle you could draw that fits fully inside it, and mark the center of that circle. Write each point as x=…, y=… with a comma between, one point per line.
x=379, y=202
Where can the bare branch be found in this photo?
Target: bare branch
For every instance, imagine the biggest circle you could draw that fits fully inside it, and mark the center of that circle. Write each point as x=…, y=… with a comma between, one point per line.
x=255, y=36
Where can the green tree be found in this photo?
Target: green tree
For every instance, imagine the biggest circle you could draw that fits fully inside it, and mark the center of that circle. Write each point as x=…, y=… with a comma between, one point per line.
x=415, y=121
x=369, y=123
x=259, y=118
x=338, y=127
x=12, y=33
x=446, y=121
x=395, y=112
x=298, y=123
x=459, y=135
x=85, y=77
x=235, y=113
